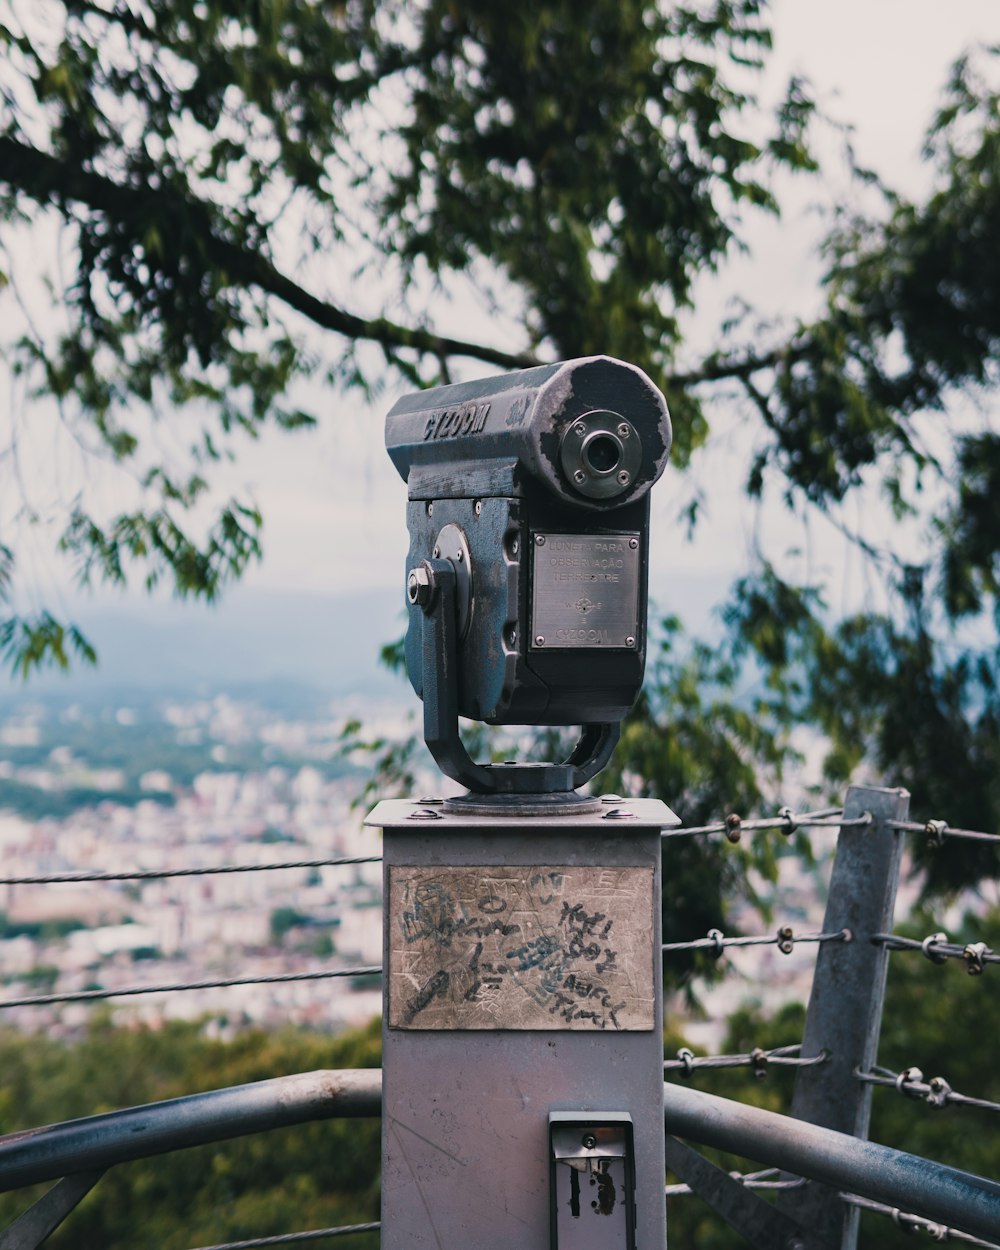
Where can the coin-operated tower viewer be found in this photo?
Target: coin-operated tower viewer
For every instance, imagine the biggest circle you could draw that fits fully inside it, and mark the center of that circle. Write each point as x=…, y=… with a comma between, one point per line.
x=522, y=1035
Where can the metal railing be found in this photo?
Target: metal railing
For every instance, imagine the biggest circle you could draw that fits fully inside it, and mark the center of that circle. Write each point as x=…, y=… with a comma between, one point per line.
x=78, y=1152
x=828, y=1171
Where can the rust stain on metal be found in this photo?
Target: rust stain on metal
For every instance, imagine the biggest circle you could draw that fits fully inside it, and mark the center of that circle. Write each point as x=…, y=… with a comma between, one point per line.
x=537, y=947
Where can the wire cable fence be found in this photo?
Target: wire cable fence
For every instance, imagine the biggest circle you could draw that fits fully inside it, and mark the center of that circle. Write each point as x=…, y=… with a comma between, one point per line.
x=936, y=831
x=758, y=1059
x=767, y=1178
x=294, y=1239
x=159, y=874
x=938, y=949
x=826, y=1022
x=99, y=993
x=125, y=991
x=936, y=1092
x=733, y=826
x=786, y=821
x=784, y=939
x=916, y=1223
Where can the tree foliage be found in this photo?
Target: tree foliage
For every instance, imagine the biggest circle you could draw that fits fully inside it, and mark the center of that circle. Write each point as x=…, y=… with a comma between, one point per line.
x=315, y=1175
x=252, y=199
x=208, y=162
x=688, y=743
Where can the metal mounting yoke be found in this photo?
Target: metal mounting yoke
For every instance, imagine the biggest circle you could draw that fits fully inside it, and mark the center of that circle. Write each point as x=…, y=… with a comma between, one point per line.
x=434, y=586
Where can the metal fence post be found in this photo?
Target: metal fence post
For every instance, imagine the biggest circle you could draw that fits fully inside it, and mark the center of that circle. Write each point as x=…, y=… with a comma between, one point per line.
x=844, y=1016
x=522, y=1005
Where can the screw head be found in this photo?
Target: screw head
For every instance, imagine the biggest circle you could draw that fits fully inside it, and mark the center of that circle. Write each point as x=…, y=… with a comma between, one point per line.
x=430, y=509
x=437, y=553
x=624, y=430
x=539, y=540
x=588, y=1141
x=458, y=555
x=579, y=429
x=515, y=546
x=629, y=641
x=478, y=507
x=539, y=640
x=633, y=543
x=579, y=476
x=624, y=477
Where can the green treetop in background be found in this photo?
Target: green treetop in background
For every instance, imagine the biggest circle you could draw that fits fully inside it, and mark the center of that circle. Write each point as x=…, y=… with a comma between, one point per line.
x=204, y=168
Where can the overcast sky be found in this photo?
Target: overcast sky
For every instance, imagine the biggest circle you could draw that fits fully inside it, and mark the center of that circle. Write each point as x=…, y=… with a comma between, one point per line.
x=333, y=505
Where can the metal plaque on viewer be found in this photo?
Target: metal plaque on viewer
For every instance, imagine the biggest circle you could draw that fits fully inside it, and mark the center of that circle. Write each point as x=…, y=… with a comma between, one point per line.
x=544, y=947
x=585, y=590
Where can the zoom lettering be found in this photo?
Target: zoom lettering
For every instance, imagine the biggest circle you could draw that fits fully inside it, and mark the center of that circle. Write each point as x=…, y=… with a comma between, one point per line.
x=456, y=422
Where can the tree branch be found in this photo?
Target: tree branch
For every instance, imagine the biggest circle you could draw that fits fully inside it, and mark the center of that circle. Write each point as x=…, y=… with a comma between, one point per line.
x=47, y=179
x=724, y=368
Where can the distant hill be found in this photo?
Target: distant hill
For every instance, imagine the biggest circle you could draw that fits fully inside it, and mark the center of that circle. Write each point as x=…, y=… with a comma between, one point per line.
x=252, y=639
x=260, y=642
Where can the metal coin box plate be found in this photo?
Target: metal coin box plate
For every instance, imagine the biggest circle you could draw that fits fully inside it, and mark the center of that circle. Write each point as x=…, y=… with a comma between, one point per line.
x=537, y=947
x=585, y=590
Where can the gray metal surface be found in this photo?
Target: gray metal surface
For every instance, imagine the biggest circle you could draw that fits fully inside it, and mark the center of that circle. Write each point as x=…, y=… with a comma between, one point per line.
x=618, y=818
x=567, y=450
x=512, y=806
x=585, y=590
x=753, y=1217
x=492, y=640
x=451, y=544
x=443, y=441
x=99, y=1141
x=442, y=682
x=845, y=1005
x=465, y=1121
x=29, y=1230
x=967, y=1202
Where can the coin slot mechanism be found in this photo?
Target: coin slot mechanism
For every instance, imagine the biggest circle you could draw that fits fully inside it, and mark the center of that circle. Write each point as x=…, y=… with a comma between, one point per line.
x=592, y=1180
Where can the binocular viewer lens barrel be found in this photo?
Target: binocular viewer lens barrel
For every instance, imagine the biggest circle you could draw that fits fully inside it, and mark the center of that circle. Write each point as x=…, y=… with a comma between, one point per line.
x=528, y=517
x=594, y=433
